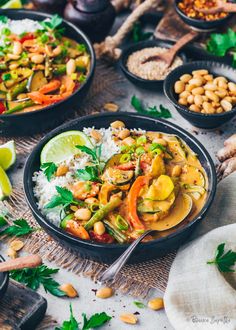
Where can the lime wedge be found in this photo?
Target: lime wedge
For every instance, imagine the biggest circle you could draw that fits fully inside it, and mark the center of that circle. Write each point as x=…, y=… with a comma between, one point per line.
x=5, y=184
x=62, y=146
x=7, y=155
x=14, y=4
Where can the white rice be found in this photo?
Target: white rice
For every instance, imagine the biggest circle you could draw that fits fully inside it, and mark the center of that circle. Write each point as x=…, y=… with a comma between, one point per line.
x=44, y=190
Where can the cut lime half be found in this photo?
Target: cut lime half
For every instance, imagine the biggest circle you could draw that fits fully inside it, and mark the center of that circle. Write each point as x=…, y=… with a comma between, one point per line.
x=7, y=155
x=13, y=4
x=63, y=146
x=5, y=184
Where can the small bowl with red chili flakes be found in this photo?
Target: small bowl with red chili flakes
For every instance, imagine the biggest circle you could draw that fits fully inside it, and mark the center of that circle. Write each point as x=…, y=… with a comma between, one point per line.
x=187, y=10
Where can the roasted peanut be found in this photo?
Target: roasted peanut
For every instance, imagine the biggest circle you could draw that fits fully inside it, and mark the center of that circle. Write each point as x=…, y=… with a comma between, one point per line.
x=117, y=124
x=70, y=67
x=112, y=107
x=129, y=141
x=104, y=293
x=91, y=200
x=184, y=95
x=16, y=245
x=185, y=77
x=189, y=88
x=83, y=214
x=99, y=228
x=196, y=81
x=11, y=253
x=124, y=133
x=179, y=87
x=13, y=56
x=57, y=51
x=17, y=48
x=232, y=87
x=183, y=101
x=156, y=304
x=14, y=66
x=69, y=290
x=208, y=107
x=62, y=170
x=201, y=72
x=190, y=99
x=194, y=107
x=221, y=92
x=198, y=91
x=208, y=77
x=198, y=100
x=37, y=58
x=212, y=96
x=96, y=135
x=210, y=87
x=226, y=105
x=128, y=318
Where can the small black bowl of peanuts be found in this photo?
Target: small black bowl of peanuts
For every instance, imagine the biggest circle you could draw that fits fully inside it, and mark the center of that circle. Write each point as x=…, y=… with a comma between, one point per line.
x=204, y=93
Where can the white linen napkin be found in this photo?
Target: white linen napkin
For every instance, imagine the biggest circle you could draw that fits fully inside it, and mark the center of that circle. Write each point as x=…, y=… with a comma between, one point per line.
x=199, y=296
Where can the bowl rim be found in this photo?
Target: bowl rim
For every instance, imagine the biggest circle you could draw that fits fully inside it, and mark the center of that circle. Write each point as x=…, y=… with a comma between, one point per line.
x=168, y=83
x=200, y=22
x=28, y=184
x=4, y=283
x=79, y=32
x=128, y=50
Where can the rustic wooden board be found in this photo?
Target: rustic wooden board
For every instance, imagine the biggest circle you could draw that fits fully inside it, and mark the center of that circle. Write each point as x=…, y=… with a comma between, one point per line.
x=21, y=308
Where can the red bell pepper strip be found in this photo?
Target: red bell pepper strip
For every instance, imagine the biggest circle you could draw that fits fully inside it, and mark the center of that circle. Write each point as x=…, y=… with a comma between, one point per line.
x=132, y=201
x=126, y=167
x=50, y=87
x=2, y=108
x=28, y=36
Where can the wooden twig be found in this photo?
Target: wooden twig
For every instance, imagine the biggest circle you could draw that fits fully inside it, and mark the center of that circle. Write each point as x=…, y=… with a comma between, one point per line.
x=109, y=48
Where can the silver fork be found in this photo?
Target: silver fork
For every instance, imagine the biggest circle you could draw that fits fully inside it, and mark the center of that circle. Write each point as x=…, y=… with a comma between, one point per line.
x=110, y=273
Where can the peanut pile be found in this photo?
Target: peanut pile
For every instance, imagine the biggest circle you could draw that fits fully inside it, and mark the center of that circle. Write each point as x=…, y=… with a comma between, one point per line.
x=203, y=93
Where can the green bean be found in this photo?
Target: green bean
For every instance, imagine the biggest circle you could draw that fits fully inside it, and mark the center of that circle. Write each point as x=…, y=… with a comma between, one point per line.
x=102, y=212
x=117, y=234
x=59, y=70
x=20, y=107
x=16, y=90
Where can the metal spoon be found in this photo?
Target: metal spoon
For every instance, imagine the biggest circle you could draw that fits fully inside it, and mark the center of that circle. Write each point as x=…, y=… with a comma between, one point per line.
x=114, y=269
x=221, y=6
x=169, y=55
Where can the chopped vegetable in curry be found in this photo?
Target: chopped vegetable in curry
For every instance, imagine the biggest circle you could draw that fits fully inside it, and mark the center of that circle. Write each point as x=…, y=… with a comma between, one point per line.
x=121, y=184
x=39, y=68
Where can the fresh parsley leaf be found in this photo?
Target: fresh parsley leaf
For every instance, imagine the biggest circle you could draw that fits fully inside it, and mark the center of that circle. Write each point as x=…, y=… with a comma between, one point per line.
x=224, y=261
x=64, y=198
x=20, y=228
x=3, y=221
x=88, y=151
x=33, y=277
x=220, y=43
x=95, y=320
x=72, y=324
x=138, y=34
x=49, y=169
x=150, y=111
x=54, y=23
x=139, y=304
x=90, y=173
x=81, y=48
x=3, y=19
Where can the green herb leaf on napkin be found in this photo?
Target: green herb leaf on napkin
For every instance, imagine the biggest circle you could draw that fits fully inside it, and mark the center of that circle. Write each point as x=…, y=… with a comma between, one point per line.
x=139, y=304
x=20, y=228
x=33, y=277
x=150, y=111
x=224, y=260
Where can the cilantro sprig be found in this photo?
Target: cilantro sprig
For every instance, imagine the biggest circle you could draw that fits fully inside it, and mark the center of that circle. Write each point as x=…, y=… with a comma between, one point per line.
x=139, y=304
x=20, y=227
x=150, y=111
x=224, y=260
x=93, y=322
x=41, y=275
x=49, y=169
x=3, y=19
x=220, y=43
x=64, y=198
x=91, y=173
x=53, y=26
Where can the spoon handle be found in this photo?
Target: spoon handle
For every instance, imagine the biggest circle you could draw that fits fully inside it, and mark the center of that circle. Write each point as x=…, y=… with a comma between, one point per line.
x=114, y=269
x=182, y=42
x=31, y=261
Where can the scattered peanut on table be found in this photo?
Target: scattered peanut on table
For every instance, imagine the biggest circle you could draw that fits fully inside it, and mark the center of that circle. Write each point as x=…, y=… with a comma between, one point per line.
x=201, y=92
x=16, y=245
x=69, y=290
x=156, y=304
x=128, y=318
x=104, y=293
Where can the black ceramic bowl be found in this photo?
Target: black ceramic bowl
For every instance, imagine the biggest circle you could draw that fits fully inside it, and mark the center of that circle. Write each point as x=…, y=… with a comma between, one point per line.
x=201, y=25
x=54, y=115
x=4, y=278
x=201, y=120
x=144, y=83
x=168, y=240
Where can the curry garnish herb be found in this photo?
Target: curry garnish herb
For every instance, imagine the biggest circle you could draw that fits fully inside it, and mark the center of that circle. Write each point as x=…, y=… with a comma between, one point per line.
x=49, y=169
x=20, y=227
x=151, y=111
x=64, y=198
x=94, y=321
x=33, y=277
x=224, y=260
